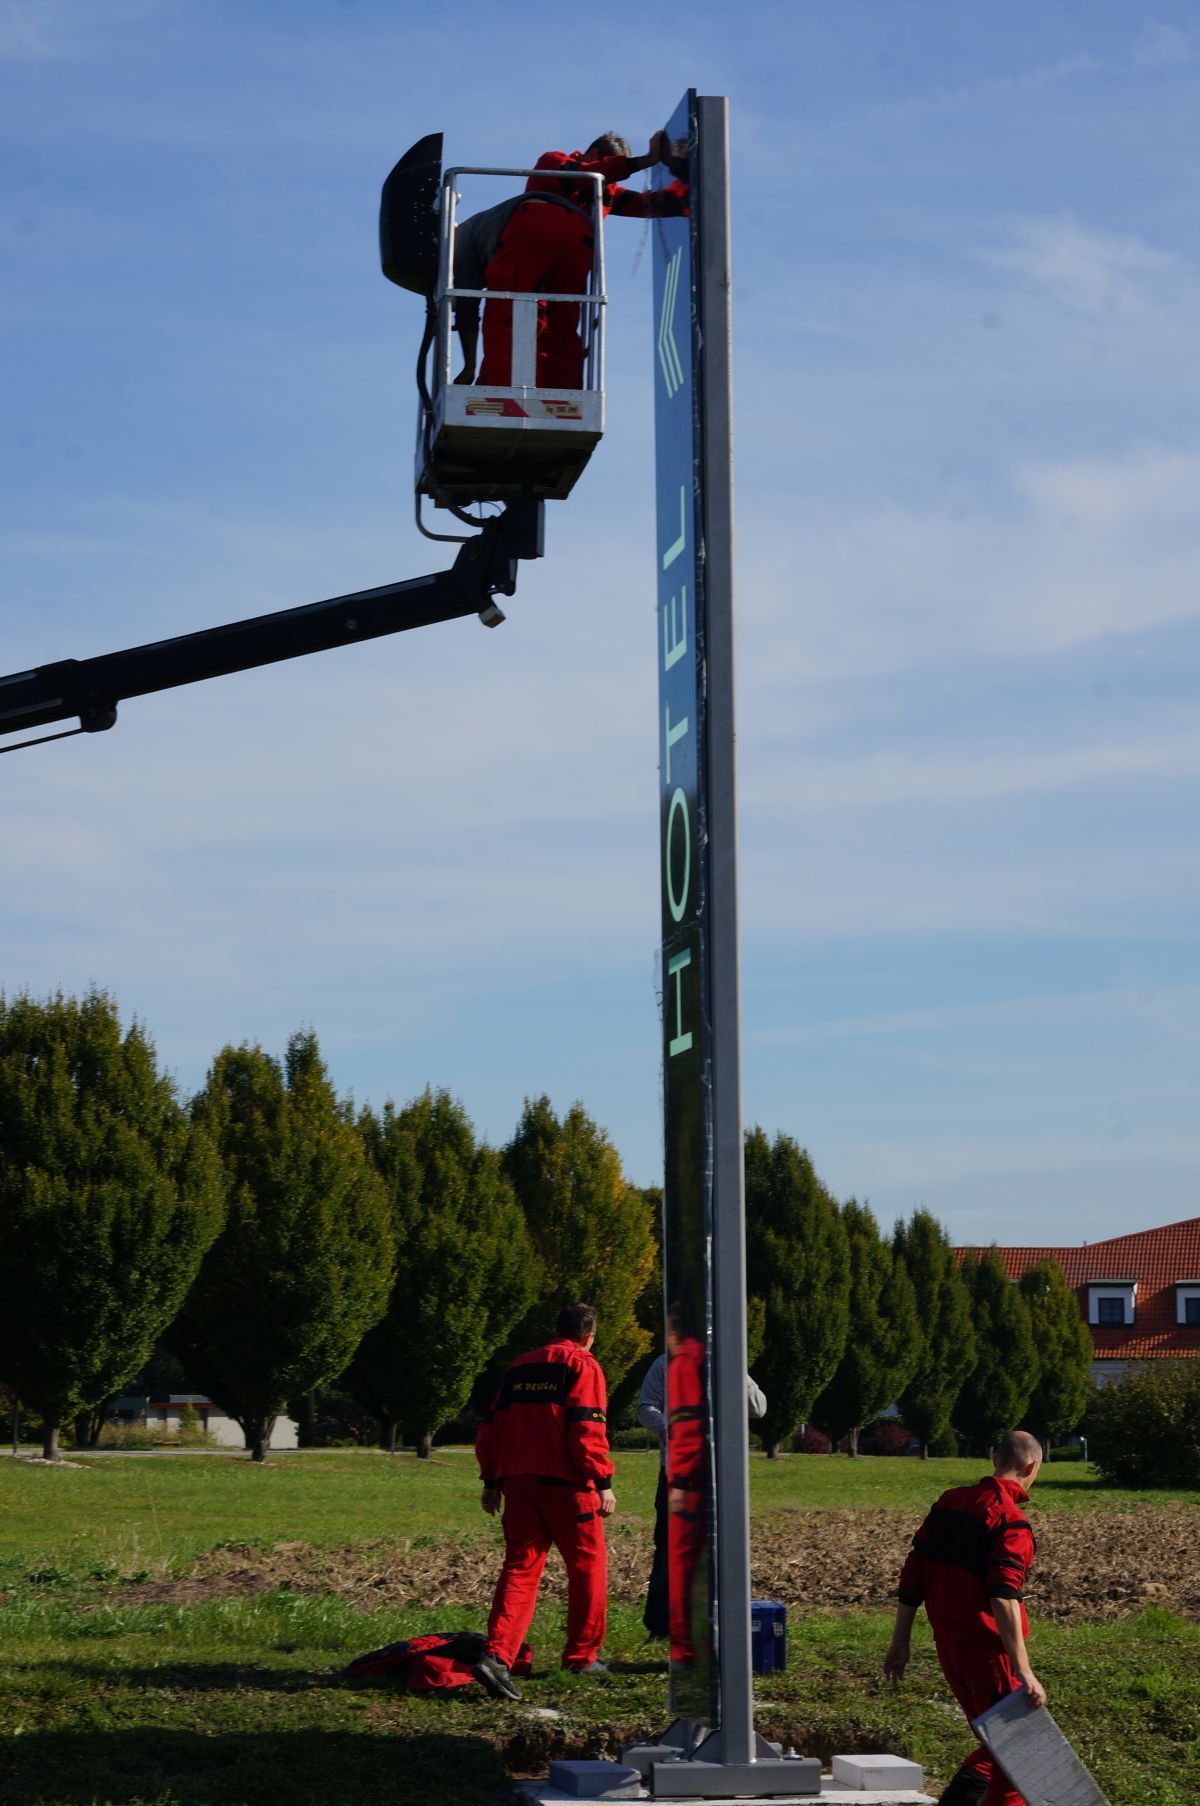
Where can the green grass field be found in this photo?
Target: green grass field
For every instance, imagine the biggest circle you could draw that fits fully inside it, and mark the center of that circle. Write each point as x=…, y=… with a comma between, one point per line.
x=127, y=1675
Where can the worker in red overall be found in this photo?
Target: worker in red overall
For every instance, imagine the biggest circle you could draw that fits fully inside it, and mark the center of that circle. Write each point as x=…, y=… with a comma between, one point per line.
x=967, y=1566
x=543, y=1451
x=547, y=244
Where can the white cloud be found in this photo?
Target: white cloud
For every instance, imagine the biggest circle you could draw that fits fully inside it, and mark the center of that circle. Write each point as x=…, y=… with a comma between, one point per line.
x=1171, y=1014
x=973, y=771
x=539, y=742
x=972, y=95
x=1163, y=46
x=954, y=1159
x=1149, y=490
x=443, y=807
x=68, y=30
x=32, y=29
x=1096, y=272
x=1075, y=551
x=809, y=881
x=1046, y=1192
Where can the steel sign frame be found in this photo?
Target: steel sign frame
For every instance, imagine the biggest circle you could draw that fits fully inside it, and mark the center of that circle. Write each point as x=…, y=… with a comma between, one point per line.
x=704, y=1210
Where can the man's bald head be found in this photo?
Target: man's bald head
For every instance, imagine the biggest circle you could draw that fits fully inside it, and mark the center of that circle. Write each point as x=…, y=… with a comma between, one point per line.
x=1019, y=1455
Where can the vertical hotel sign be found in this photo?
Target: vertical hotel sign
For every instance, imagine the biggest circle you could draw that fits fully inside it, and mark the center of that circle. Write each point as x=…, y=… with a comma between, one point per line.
x=687, y=1191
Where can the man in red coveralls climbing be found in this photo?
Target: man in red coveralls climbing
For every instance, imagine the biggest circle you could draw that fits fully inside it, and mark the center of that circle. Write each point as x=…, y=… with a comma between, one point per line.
x=967, y=1566
x=543, y=1450
x=543, y=241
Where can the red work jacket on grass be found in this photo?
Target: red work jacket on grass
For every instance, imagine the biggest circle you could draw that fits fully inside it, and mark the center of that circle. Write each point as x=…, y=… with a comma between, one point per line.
x=976, y=1545
x=548, y=1420
x=440, y=1662
x=626, y=203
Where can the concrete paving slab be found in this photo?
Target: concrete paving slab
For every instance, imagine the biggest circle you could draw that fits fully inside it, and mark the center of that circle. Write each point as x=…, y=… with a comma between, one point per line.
x=584, y=1780
x=540, y=1793
x=1035, y=1755
x=874, y=1796
x=878, y=1771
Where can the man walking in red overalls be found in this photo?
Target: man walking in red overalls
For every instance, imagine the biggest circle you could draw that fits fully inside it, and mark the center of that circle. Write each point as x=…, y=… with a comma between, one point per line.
x=967, y=1566
x=543, y=1449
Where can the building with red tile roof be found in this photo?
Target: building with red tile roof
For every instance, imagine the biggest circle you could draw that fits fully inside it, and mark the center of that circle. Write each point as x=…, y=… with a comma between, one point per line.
x=1139, y=1294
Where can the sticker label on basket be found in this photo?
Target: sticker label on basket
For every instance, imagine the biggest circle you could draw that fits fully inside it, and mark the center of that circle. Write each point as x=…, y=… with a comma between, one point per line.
x=530, y=407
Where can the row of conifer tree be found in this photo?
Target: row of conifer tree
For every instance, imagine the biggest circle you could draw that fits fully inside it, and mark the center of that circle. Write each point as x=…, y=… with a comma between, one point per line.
x=276, y=1239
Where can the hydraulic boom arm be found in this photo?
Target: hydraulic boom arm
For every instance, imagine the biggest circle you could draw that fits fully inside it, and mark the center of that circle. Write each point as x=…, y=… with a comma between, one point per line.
x=91, y=688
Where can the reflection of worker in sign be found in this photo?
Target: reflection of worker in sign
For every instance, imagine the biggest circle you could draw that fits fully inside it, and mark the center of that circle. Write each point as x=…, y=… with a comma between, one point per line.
x=687, y=1485
x=652, y=1415
x=967, y=1566
x=543, y=1452
x=542, y=241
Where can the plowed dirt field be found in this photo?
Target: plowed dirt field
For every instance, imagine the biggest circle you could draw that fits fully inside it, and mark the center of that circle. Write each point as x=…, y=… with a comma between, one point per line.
x=1094, y=1564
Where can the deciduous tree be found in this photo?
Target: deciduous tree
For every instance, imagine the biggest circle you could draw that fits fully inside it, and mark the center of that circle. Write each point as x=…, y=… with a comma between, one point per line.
x=305, y=1262
x=591, y=1231
x=798, y=1265
x=1144, y=1430
x=997, y=1390
x=108, y=1201
x=944, y=1319
x=1064, y=1352
x=649, y=1311
x=883, y=1345
x=465, y=1269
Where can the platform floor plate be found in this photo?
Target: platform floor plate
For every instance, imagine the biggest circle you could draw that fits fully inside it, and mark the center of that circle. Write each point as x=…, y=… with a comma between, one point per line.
x=491, y=444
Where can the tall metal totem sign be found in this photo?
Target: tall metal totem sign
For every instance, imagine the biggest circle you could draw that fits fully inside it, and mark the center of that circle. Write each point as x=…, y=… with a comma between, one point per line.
x=704, y=1228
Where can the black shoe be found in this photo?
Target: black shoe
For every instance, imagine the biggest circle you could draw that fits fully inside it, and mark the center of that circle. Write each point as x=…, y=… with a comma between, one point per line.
x=491, y=1673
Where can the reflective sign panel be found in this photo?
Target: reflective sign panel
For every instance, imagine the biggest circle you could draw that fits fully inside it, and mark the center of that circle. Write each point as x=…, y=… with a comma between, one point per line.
x=686, y=1016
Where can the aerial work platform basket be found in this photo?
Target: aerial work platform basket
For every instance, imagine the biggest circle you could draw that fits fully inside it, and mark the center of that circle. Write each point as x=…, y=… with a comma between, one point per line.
x=487, y=442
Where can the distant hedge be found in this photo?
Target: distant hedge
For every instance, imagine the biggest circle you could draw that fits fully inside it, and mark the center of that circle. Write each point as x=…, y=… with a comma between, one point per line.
x=634, y=1439
x=1144, y=1430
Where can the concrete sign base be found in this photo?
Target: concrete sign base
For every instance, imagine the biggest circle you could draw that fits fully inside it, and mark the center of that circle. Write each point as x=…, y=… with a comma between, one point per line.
x=856, y=1792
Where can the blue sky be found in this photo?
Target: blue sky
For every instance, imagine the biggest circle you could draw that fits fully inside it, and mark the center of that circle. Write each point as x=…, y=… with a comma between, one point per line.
x=968, y=463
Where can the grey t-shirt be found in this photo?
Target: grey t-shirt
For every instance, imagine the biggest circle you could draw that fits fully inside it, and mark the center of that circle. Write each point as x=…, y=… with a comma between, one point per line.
x=475, y=241
x=652, y=1402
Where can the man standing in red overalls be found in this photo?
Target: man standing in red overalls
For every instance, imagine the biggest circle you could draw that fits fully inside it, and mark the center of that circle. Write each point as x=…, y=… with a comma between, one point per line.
x=967, y=1566
x=546, y=244
x=543, y=1449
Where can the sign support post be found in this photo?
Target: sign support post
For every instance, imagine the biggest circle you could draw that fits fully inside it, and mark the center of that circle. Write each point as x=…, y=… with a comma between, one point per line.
x=704, y=1189
x=734, y=1739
